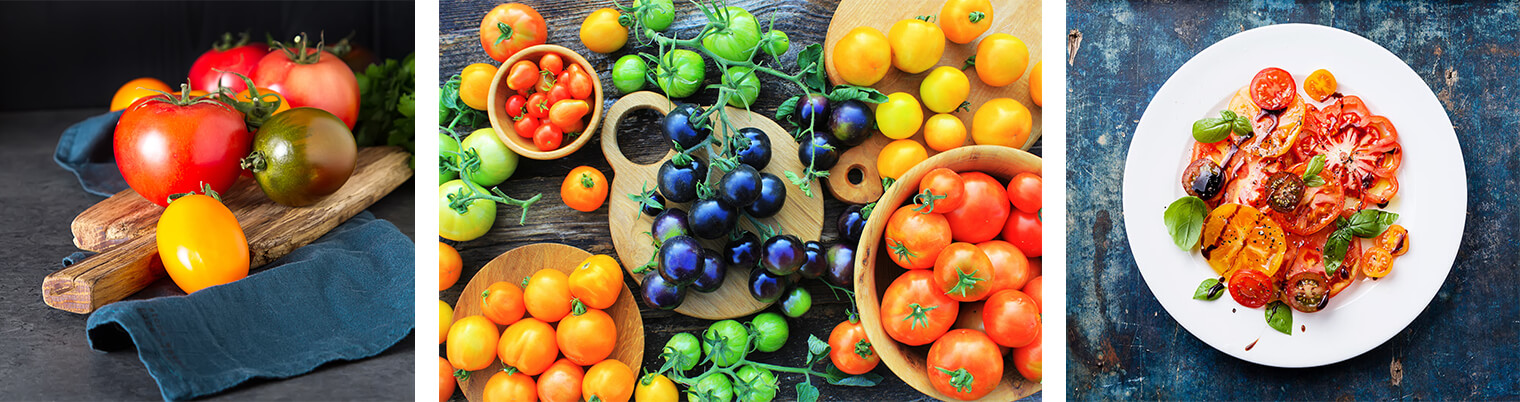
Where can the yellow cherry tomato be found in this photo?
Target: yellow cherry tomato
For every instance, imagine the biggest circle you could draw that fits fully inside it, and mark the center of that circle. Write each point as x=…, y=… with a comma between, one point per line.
x=944, y=89
x=136, y=89
x=265, y=94
x=1001, y=59
x=1001, y=121
x=1320, y=85
x=944, y=132
x=1035, y=86
x=475, y=84
x=964, y=20
x=602, y=33
x=916, y=45
x=445, y=320
x=656, y=388
x=201, y=243
x=862, y=56
x=899, y=156
x=900, y=116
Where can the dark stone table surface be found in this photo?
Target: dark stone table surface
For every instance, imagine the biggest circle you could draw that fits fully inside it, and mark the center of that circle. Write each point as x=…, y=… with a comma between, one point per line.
x=1123, y=345
x=43, y=351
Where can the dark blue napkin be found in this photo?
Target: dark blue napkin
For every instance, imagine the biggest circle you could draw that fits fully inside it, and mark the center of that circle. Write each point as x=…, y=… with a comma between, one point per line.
x=85, y=149
x=346, y=296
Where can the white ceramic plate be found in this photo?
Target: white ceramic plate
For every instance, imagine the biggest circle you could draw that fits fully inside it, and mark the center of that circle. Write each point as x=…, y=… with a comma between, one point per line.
x=1432, y=199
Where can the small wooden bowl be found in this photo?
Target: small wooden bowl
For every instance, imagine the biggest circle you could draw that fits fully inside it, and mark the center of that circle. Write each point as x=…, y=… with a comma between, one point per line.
x=871, y=279
x=512, y=266
x=496, y=107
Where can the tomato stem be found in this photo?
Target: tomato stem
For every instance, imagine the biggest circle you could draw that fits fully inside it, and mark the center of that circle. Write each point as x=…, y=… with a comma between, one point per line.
x=299, y=54
x=226, y=43
x=254, y=162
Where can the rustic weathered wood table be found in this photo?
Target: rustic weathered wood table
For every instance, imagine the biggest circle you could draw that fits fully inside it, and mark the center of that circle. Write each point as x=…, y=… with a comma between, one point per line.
x=1123, y=345
x=551, y=221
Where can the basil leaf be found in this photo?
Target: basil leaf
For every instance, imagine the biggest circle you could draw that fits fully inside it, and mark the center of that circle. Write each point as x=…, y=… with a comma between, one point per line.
x=1369, y=223
x=1242, y=126
x=1311, y=174
x=1211, y=129
x=1335, y=250
x=1206, y=290
x=1227, y=115
x=1280, y=317
x=1184, y=221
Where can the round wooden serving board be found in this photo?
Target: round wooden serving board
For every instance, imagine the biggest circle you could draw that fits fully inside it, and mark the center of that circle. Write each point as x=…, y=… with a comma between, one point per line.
x=512, y=266
x=1020, y=18
x=802, y=216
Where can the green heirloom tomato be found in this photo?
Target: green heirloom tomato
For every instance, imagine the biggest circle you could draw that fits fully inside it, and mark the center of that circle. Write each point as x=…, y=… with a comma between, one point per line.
x=471, y=223
x=302, y=155
x=761, y=382
x=796, y=302
x=734, y=41
x=497, y=162
x=714, y=387
x=628, y=73
x=732, y=339
x=680, y=73
x=777, y=44
x=446, y=144
x=659, y=15
x=744, y=79
x=771, y=332
x=687, y=345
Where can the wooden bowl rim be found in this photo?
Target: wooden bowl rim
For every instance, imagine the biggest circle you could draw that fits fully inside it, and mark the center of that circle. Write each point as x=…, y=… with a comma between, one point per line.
x=496, y=107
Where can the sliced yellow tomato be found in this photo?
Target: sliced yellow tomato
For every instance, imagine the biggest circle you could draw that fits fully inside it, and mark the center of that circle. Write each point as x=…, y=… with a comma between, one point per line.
x=1239, y=237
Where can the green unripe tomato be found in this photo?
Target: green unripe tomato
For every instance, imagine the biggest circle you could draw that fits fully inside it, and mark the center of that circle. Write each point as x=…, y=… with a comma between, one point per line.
x=743, y=79
x=680, y=73
x=771, y=331
x=761, y=382
x=628, y=73
x=777, y=43
x=715, y=387
x=732, y=341
x=658, y=16
x=470, y=225
x=687, y=346
x=497, y=162
x=796, y=302
x=446, y=144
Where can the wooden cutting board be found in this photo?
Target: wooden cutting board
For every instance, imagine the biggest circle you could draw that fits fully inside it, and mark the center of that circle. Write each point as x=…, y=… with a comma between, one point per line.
x=123, y=230
x=512, y=266
x=802, y=216
x=1020, y=18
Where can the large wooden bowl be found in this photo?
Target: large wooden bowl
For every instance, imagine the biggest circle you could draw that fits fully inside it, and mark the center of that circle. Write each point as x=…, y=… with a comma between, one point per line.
x=871, y=279
x=497, y=102
x=512, y=266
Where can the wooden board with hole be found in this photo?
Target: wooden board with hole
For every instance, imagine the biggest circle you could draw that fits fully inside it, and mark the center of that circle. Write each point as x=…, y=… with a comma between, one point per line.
x=802, y=216
x=1020, y=18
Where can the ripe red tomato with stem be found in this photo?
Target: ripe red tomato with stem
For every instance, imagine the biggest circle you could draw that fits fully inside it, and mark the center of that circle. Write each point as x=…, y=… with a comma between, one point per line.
x=310, y=77
x=941, y=190
x=915, y=239
x=168, y=145
x=849, y=349
x=517, y=106
x=963, y=272
x=229, y=56
x=1024, y=192
x=1012, y=318
x=510, y=28
x=1029, y=360
x=986, y=205
x=538, y=105
x=552, y=63
x=965, y=364
x=1023, y=230
x=914, y=311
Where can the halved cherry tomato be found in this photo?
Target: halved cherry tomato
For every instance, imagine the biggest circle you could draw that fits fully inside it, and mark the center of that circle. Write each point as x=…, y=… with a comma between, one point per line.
x=849, y=349
x=963, y=272
x=916, y=312
x=548, y=137
x=1310, y=253
x=941, y=190
x=1024, y=192
x=547, y=295
x=1376, y=262
x=449, y=266
x=1395, y=239
x=597, y=281
x=561, y=382
x=608, y=381
x=965, y=364
x=502, y=302
x=523, y=75
x=526, y=126
x=584, y=189
x=1320, y=85
x=915, y=240
x=1012, y=318
x=986, y=206
x=1273, y=88
x=1306, y=291
x=510, y=386
x=1252, y=288
x=509, y=28
x=569, y=115
x=471, y=343
x=552, y=63
x=529, y=345
x=587, y=338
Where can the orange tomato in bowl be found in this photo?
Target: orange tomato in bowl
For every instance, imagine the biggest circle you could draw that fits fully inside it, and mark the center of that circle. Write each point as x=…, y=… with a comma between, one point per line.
x=862, y=56
x=547, y=296
x=510, y=386
x=597, y=281
x=201, y=243
x=472, y=341
x=137, y=89
x=529, y=345
x=609, y=381
x=587, y=338
x=561, y=382
x=502, y=303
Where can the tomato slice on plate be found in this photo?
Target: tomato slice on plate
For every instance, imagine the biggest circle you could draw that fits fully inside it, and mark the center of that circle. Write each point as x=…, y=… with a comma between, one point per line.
x=1238, y=237
x=1318, y=207
x=1311, y=258
x=1273, y=89
x=1252, y=288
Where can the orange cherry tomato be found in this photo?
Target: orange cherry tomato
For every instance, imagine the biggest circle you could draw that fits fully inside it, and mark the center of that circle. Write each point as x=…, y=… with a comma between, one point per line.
x=569, y=115
x=510, y=386
x=1001, y=121
x=944, y=132
x=552, y=63
x=547, y=295
x=522, y=76
x=1001, y=59
x=581, y=85
x=899, y=156
x=446, y=381
x=502, y=302
x=609, y=381
x=449, y=266
x=964, y=20
x=201, y=243
x=136, y=89
x=1036, y=83
x=1395, y=240
x=561, y=382
x=862, y=56
x=941, y=190
x=471, y=341
x=1376, y=262
x=584, y=189
x=597, y=281
x=528, y=345
x=587, y=338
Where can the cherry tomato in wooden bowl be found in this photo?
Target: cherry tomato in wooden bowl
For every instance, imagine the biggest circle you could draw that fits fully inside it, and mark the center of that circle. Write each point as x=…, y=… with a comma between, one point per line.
x=507, y=127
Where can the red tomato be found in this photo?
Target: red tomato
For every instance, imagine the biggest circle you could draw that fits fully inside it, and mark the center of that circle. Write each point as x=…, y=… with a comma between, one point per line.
x=914, y=311
x=552, y=63
x=963, y=272
x=986, y=206
x=965, y=364
x=1024, y=192
x=849, y=349
x=1028, y=360
x=538, y=105
x=941, y=190
x=1252, y=288
x=1023, y=230
x=230, y=57
x=581, y=85
x=526, y=126
x=163, y=148
x=1010, y=268
x=310, y=77
x=1273, y=89
x=915, y=240
x=523, y=76
x=1012, y=318
x=557, y=93
x=517, y=105
x=548, y=137
x=1034, y=289
x=510, y=28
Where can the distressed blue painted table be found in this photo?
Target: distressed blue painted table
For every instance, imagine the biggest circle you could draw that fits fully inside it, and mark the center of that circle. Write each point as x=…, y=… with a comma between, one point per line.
x=1123, y=345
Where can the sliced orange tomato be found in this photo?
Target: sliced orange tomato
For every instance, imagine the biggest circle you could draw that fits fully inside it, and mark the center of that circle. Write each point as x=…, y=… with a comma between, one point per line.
x=1239, y=237
x=1320, y=85
x=1395, y=240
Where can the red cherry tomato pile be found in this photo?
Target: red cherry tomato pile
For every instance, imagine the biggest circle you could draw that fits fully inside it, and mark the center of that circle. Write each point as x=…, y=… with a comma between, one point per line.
x=553, y=100
x=971, y=246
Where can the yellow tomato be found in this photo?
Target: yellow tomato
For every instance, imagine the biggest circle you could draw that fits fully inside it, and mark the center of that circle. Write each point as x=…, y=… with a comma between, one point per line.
x=900, y=116
x=656, y=388
x=602, y=33
x=475, y=84
x=964, y=20
x=449, y=266
x=944, y=89
x=445, y=320
x=944, y=132
x=201, y=243
x=1001, y=121
x=1001, y=59
x=862, y=56
x=1320, y=85
x=899, y=156
x=472, y=343
x=1035, y=86
x=916, y=45
x=265, y=94
x=136, y=89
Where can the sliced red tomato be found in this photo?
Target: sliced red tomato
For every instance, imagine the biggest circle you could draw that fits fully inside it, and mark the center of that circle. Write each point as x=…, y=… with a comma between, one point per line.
x=1319, y=206
x=1273, y=89
x=1359, y=157
x=1311, y=258
x=1252, y=288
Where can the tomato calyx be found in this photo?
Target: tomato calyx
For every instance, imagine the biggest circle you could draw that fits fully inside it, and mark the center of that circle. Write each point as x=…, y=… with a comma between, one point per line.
x=462, y=374
x=920, y=315
x=863, y=349
x=205, y=190
x=506, y=33
x=901, y=250
x=925, y=201
x=299, y=53
x=976, y=16
x=226, y=43
x=577, y=307
x=960, y=379
x=964, y=282
x=257, y=109
x=254, y=162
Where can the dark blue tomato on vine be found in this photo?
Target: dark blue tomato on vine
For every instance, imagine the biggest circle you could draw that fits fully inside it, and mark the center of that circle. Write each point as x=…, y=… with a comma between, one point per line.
x=851, y=122
x=764, y=286
x=814, y=110
x=841, y=261
x=756, y=152
x=714, y=271
x=678, y=183
x=680, y=260
x=820, y=150
x=661, y=294
x=852, y=223
x=680, y=128
x=782, y=255
x=816, y=261
x=743, y=251
x=668, y=224
x=772, y=197
x=740, y=187
x=714, y=218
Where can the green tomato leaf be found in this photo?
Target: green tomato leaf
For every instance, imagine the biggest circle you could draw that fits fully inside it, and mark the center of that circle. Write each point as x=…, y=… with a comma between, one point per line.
x=806, y=392
x=1212, y=129
x=1207, y=290
x=787, y=108
x=1184, y=221
x=817, y=349
x=810, y=64
x=833, y=376
x=1280, y=317
x=1369, y=223
x=850, y=92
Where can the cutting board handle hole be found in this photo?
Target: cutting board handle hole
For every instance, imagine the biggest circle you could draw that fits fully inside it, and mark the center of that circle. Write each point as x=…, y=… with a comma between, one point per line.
x=639, y=129
x=856, y=174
